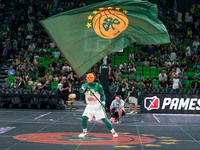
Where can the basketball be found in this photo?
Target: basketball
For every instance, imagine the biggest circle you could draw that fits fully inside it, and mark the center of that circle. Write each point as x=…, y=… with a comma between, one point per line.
x=109, y=24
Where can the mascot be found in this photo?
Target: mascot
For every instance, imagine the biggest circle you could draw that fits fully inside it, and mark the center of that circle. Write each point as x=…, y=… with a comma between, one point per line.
x=95, y=107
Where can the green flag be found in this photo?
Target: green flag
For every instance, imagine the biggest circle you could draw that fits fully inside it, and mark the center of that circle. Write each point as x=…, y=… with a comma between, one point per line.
x=87, y=34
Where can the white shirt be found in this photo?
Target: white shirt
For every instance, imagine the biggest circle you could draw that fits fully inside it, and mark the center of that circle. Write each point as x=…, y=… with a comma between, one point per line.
x=188, y=53
x=31, y=47
x=172, y=56
x=116, y=104
x=66, y=67
x=196, y=44
x=175, y=84
x=52, y=45
x=168, y=63
x=59, y=86
x=121, y=65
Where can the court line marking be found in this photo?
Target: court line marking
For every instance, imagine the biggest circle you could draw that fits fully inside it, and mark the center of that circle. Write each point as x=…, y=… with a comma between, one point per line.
x=38, y=131
x=138, y=133
x=17, y=119
x=85, y=137
x=188, y=134
x=40, y=116
x=193, y=115
x=179, y=126
x=156, y=118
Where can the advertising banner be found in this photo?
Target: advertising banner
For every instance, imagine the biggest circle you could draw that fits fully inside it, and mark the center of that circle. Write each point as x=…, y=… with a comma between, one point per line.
x=171, y=103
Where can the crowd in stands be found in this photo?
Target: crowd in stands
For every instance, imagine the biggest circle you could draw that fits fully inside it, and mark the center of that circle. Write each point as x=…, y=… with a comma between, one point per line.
x=35, y=61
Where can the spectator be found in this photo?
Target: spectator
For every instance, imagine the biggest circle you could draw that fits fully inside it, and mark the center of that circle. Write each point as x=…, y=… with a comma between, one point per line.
x=65, y=90
x=146, y=63
x=139, y=63
x=52, y=44
x=114, y=87
x=5, y=84
x=54, y=65
x=155, y=84
x=66, y=66
x=153, y=62
x=42, y=52
x=162, y=76
x=117, y=73
x=110, y=79
x=57, y=72
x=196, y=44
x=183, y=78
x=5, y=52
x=121, y=89
x=197, y=74
x=176, y=82
x=30, y=26
x=48, y=54
x=124, y=69
x=117, y=109
x=32, y=72
x=30, y=81
x=168, y=63
x=60, y=85
x=195, y=85
x=151, y=50
x=14, y=84
x=76, y=89
x=39, y=43
x=15, y=47
x=121, y=65
x=21, y=83
x=172, y=56
x=35, y=86
x=163, y=83
x=41, y=70
x=184, y=65
x=132, y=77
x=147, y=83
x=11, y=71
x=196, y=67
x=161, y=63
x=140, y=78
x=29, y=37
x=31, y=46
x=47, y=86
x=56, y=53
x=133, y=95
x=188, y=51
x=131, y=56
x=189, y=33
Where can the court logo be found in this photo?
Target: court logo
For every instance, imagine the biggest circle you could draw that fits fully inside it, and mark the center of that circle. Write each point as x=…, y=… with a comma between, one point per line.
x=71, y=138
x=151, y=103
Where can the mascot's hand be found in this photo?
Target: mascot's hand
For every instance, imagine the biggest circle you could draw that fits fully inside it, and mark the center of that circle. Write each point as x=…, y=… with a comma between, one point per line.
x=84, y=87
x=103, y=104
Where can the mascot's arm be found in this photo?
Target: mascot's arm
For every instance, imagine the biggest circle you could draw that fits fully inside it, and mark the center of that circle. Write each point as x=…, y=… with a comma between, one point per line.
x=83, y=88
x=102, y=94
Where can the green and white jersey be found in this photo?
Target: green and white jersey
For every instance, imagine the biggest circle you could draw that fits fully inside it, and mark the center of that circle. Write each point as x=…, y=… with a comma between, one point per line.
x=97, y=90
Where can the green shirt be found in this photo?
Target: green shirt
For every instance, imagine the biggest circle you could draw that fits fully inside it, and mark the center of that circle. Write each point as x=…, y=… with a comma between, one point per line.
x=182, y=80
x=139, y=63
x=140, y=79
x=114, y=87
x=197, y=75
x=154, y=85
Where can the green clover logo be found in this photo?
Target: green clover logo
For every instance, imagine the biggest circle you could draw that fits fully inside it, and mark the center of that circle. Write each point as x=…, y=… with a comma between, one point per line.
x=109, y=22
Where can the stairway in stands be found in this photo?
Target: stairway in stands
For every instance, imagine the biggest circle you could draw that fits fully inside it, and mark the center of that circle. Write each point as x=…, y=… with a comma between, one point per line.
x=3, y=73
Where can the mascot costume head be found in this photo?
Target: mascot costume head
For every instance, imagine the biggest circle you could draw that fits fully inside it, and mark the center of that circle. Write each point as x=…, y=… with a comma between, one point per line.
x=90, y=78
